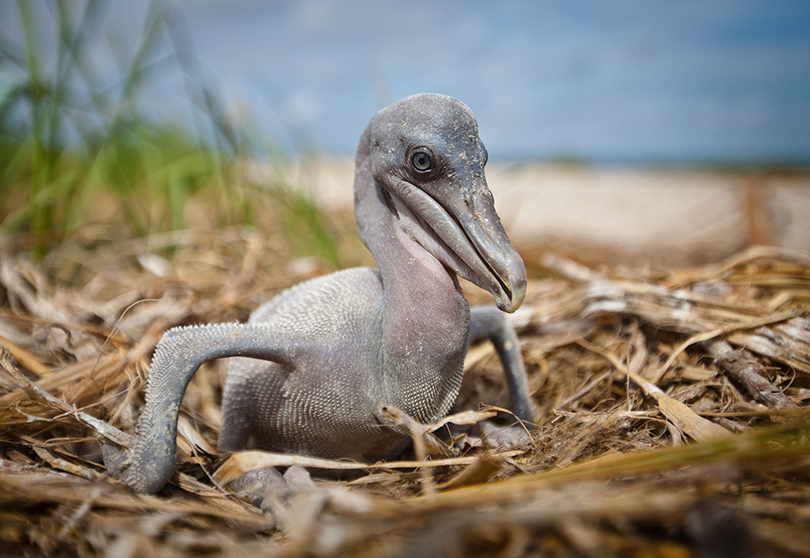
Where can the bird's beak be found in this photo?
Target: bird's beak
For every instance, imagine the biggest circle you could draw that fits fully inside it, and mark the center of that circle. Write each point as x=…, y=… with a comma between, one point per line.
x=472, y=232
x=498, y=265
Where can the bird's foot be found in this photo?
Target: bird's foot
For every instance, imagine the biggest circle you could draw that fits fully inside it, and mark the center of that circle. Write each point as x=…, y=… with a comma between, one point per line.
x=269, y=490
x=504, y=436
x=491, y=435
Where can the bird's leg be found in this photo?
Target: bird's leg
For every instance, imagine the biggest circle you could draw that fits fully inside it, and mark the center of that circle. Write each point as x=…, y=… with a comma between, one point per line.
x=180, y=352
x=487, y=322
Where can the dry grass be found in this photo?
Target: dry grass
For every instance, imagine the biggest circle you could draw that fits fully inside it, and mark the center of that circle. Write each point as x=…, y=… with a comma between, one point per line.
x=671, y=406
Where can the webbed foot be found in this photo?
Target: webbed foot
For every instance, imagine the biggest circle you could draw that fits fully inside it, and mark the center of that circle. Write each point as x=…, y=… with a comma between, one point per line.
x=491, y=435
x=267, y=489
x=495, y=436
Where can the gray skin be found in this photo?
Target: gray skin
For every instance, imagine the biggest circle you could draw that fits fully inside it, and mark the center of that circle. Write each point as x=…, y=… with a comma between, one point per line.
x=335, y=349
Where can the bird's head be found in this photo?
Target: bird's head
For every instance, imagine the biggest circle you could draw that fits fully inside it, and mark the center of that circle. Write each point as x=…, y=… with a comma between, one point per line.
x=425, y=153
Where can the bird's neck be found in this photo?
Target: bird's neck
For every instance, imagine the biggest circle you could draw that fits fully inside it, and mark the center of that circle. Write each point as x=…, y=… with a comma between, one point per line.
x=425, y=317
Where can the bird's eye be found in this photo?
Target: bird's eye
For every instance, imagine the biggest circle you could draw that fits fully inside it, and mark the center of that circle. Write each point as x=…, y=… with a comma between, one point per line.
x=421, y=161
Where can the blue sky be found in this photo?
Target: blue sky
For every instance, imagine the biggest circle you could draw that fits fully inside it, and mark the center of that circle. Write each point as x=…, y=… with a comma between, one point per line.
x=605, y=81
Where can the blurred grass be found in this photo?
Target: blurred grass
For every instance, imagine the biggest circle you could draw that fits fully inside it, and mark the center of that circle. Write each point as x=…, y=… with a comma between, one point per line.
x=76, y=149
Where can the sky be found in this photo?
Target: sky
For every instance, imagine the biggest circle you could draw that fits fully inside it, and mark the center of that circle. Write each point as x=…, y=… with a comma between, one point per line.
x=620, y=81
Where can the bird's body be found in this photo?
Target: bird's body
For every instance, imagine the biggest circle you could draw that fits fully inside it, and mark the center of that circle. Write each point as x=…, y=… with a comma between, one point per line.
x=325, y=421
x=336, y=349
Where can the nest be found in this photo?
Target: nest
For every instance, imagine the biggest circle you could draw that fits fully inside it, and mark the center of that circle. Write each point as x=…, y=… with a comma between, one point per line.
x=671, y=416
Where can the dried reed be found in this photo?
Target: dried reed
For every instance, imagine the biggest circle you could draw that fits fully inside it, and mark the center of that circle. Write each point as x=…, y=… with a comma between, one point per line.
x=671, y=416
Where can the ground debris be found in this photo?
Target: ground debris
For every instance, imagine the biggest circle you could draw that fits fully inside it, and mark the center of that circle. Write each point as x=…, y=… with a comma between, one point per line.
x=671, y=416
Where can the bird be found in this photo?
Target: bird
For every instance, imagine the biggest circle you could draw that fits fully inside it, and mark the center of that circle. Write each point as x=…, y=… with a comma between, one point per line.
x=312, y=370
